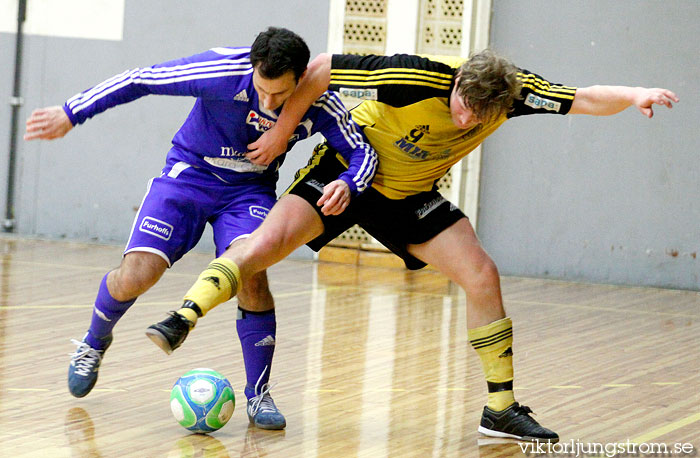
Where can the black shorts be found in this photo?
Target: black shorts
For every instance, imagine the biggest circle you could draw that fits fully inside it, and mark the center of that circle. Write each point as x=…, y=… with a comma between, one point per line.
x=395, y=223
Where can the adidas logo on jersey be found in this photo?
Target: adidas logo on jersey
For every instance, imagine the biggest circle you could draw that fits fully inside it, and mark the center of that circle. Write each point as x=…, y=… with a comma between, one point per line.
x=267, y=341
x=241, y=96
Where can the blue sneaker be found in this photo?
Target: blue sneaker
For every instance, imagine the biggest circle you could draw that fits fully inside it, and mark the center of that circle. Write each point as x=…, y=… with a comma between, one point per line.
x=262, y=411
x=84, y=364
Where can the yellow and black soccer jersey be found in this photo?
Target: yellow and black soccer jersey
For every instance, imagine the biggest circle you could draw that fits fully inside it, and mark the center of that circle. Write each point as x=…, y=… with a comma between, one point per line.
x=406, y=114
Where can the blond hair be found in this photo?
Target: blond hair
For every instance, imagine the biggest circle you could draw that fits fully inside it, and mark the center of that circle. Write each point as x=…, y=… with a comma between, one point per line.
x=489, y=84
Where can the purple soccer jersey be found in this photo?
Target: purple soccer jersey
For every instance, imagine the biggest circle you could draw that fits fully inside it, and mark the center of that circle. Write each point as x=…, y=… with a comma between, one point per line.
x=226, y=116
x=207, y=177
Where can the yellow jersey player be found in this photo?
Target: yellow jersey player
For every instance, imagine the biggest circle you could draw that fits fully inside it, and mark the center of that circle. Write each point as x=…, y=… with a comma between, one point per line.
x=421, y=115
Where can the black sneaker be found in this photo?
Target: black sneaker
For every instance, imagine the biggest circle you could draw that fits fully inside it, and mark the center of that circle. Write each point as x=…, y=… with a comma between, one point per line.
x=170, y=333
x=515, y=422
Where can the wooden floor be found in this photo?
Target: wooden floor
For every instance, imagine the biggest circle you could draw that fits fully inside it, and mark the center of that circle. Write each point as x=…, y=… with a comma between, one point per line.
x=370, y=362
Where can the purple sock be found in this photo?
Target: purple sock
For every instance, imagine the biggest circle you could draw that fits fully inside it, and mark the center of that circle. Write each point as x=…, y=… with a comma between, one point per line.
x=256, y=330
x=105, y=314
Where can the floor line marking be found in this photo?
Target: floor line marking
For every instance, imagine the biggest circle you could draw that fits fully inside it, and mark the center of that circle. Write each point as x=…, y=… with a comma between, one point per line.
x=390, y=291
x=142, y=303
x=104, y=269
x=602, y=309
x=336, y=390
x=28, y=389
x=514, y=301
x=666, y=429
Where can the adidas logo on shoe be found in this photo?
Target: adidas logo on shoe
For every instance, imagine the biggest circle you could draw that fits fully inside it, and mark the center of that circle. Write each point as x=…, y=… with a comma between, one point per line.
x=241, y=96
x=267, y=341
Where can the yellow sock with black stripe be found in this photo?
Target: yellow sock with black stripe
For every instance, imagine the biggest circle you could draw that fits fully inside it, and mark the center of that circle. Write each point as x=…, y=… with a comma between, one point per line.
x=219, y=282
x=493, y=343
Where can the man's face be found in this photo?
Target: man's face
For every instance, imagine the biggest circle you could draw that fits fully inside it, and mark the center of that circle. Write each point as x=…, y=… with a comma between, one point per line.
x=462, y=115
x=274, y=92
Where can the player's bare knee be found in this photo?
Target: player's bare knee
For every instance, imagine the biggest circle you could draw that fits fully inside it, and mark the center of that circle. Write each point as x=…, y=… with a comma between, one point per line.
x=481, y=276
x=124, y=286
x=129, y=284
x=266, y=243
x=137, y=273
x=256, y=285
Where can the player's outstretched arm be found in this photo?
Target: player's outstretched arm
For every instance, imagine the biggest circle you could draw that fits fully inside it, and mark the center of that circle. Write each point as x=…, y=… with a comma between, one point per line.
x=47, y=124
x=609, y=100
x=313, y=83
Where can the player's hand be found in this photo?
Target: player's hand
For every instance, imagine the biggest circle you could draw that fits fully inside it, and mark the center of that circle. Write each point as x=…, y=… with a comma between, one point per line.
x=335, y=198
x=266, y=148
x=646, y=98
x=47, y=124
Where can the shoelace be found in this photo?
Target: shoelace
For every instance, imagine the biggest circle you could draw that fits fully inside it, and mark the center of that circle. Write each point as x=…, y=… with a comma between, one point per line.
x=85, y=358
x=523, y=410
x=262, y=401
x=524, y=418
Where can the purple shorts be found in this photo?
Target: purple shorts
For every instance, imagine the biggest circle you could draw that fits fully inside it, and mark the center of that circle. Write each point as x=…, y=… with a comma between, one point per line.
x=180, y=202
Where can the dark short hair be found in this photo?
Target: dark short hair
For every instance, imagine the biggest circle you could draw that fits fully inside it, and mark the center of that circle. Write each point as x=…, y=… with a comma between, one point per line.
x=489, y=83
x=277, y=51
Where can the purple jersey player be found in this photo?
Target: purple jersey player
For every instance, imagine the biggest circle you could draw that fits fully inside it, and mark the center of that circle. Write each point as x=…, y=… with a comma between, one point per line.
x=207, y=178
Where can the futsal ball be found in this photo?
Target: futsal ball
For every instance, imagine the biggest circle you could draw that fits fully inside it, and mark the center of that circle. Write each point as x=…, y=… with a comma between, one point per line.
x=202, y=400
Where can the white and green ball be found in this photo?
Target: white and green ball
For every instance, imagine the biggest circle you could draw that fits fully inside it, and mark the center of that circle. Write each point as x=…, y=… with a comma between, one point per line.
x=202, y=400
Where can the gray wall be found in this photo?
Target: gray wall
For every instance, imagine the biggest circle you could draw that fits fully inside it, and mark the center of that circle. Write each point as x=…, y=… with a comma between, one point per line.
x=596, y=199
x=604, y=199
x=89, y=184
